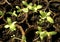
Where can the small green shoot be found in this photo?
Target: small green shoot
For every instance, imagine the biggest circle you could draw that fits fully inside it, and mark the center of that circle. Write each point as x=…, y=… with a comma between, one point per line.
x=29, y=7
x=25, y=3
x=18, y=9
x=49, y=19
x=25, y=10
x=10, y=25
x=43, y=34
x=12, y=13
x=46, y=15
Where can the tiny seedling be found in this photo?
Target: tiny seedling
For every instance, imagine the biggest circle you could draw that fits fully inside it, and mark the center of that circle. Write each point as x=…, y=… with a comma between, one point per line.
x=25, y=10
x=12, y=13
x=45, y=16
x=43, y=34
x=29, y=7
x=36, y=7
x=10, y=25
x=18, y=9
x=25, y=3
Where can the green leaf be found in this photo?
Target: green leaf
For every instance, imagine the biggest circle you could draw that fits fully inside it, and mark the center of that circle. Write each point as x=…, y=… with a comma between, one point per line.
x=30, y=4
x=1, y=13
x=52, y=33
x=43, y=34
x=35, y=9
x=24, y=3
x=12, y=26
x=43, y=14
x=9, y=20
x=19, y=10
x=17, y=7
x=49, y=19
x=39, y=6
x=6, y=26
x=14, y=13
x=39, y=28
x=9, y=12
x=37, y=32
x=48, y=14
x=30, y=7
x=25, y=9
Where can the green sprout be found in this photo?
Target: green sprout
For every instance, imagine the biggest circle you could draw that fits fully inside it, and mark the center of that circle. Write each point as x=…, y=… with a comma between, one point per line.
x=12, y=13
x=42, y=34
x=10, y=25
x=25, y=10
x=24, y=3
x=45, y=16
x=36, y=7
x=29, y=7
x=19, y=9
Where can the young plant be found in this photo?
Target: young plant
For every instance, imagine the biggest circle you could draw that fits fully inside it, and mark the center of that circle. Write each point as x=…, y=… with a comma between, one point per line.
x=12, y=13
x=29, y=7
x=25, y=10
x=10, y=25
x=45, y=16
x=43, y=34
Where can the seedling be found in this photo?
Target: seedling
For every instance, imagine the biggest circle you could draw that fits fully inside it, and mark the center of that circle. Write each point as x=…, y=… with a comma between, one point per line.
x=25, y=3
x=45, y=16
x=29, y=7
x=19, y=9
x=43, y=34
x=10, y=25
x=25, y=10
x=12, y=13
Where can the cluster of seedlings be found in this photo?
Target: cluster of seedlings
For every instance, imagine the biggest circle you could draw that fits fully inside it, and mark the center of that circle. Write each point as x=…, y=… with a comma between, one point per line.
x=13, y=24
